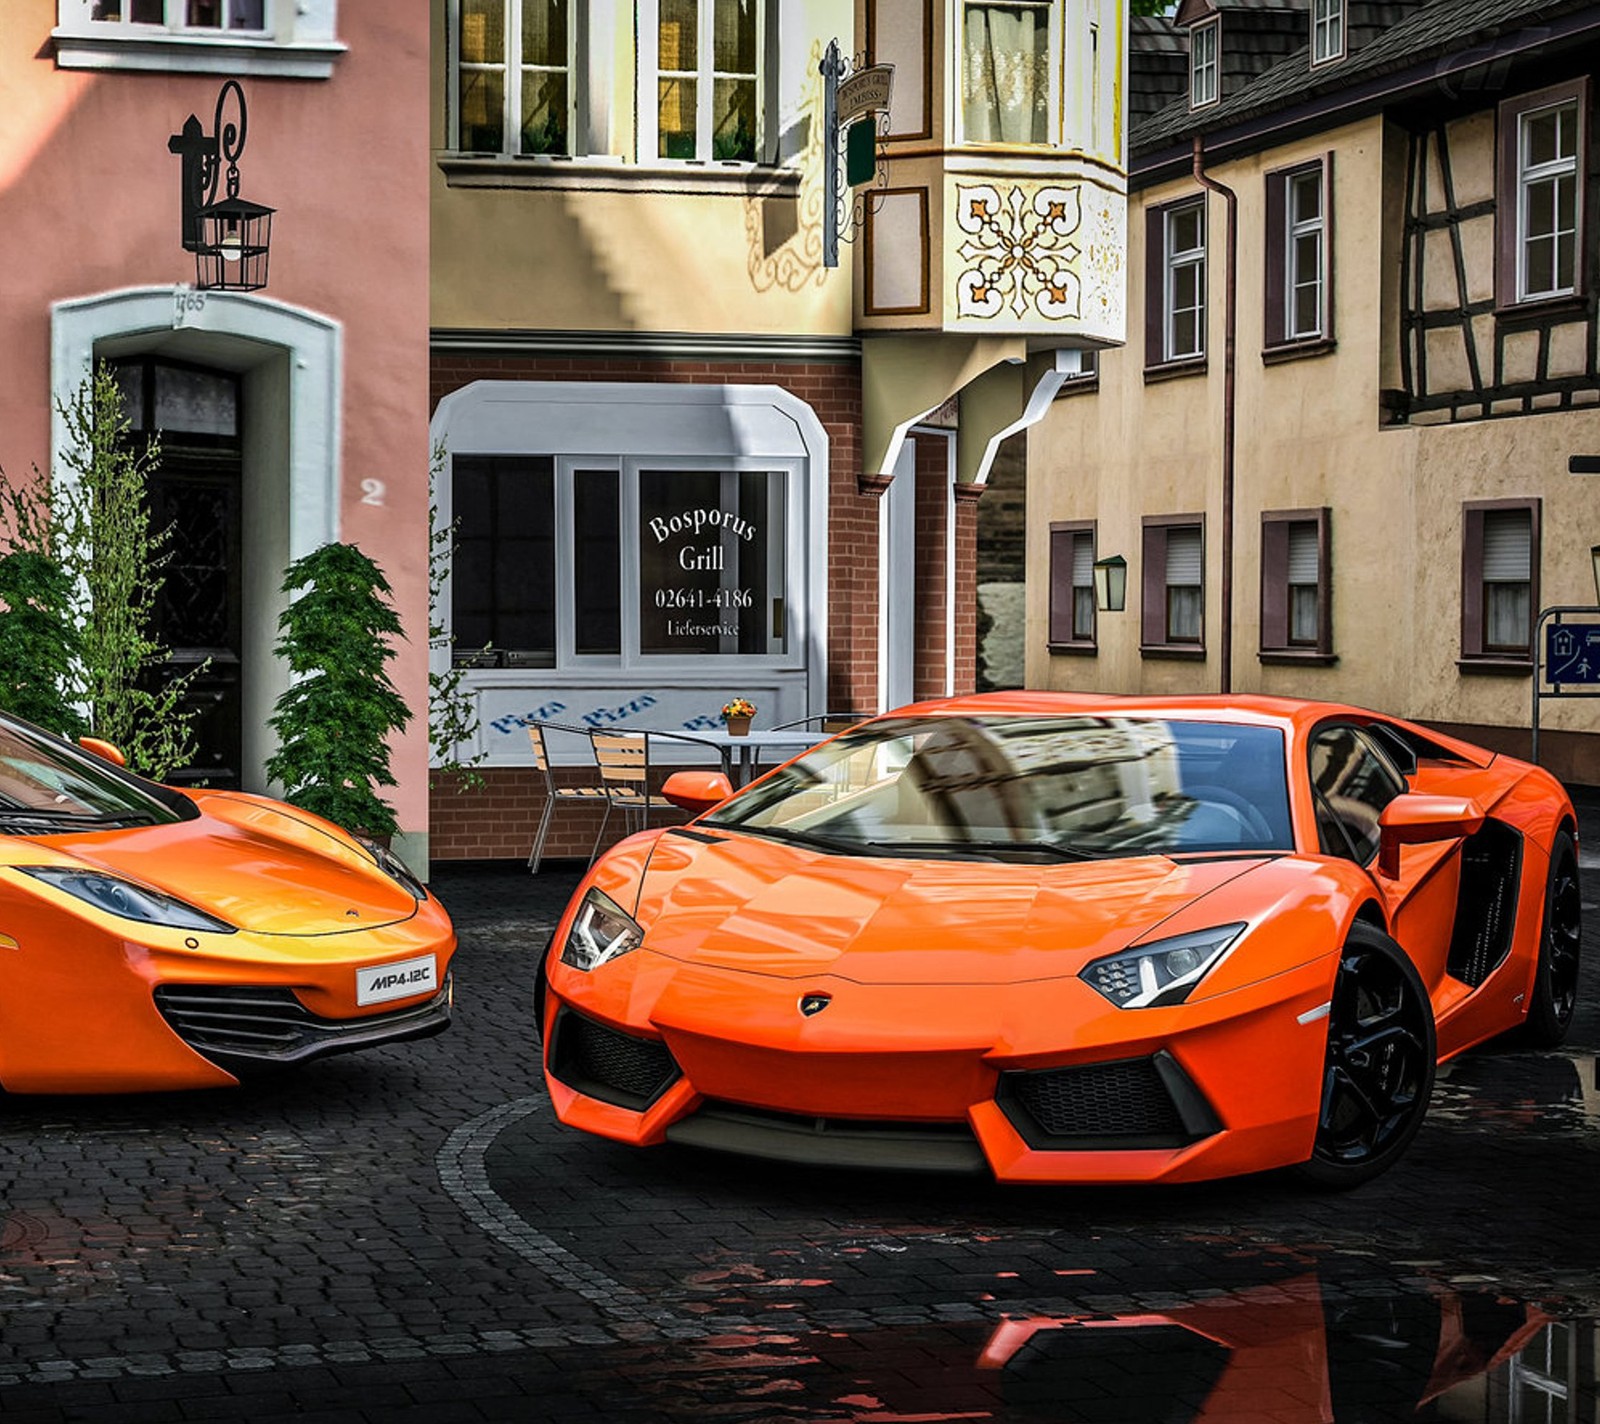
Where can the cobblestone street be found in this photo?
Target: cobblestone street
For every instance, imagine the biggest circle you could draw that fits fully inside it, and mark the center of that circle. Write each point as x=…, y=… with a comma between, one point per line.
x=407, y=1234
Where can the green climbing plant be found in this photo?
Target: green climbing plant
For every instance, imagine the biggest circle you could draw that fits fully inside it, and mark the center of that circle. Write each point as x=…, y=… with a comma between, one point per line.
x=334, y=720
x=39, y=642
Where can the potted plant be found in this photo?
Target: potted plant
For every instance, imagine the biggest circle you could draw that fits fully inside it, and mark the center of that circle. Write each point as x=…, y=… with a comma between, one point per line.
x=737, y=714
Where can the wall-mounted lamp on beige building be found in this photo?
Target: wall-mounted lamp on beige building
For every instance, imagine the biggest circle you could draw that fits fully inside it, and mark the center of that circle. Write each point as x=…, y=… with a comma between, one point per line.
x=1111, y=583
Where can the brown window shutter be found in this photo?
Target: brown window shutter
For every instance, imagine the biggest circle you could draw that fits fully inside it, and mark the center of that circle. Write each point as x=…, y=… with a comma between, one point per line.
x=1471, y=582
x=1061, y=585
x=1153, y=586
x=1274, y=583
x=1155, y=286
x=1277, y=237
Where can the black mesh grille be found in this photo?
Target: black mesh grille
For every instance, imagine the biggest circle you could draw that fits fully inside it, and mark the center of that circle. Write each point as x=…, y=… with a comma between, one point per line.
x=1126, y=1104
x=603, y=1063
x=1486, y=906
x=241, y=1025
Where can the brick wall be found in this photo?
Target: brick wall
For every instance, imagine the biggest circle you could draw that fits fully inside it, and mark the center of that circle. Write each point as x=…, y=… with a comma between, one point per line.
x=499, y=821
x=930, y=576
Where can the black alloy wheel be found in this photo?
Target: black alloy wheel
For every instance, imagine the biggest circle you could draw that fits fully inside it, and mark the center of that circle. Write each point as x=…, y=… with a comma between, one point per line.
x=1555, y=980
x=1378, y=1074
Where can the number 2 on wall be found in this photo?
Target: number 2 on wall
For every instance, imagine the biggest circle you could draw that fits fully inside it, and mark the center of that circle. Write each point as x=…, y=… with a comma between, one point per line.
x=372, y=491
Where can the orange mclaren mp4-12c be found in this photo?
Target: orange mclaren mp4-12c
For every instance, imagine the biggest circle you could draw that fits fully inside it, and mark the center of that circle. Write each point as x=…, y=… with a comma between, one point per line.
x=1067, y=938
x=153, y=938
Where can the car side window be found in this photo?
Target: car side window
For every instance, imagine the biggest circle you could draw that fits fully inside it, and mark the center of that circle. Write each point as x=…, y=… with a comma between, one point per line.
x=1353, y=782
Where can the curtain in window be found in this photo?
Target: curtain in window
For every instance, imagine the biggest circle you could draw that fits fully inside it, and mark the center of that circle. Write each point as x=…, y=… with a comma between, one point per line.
x=1005, y=74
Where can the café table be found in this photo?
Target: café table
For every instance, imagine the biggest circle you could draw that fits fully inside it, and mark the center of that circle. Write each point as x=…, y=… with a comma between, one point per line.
x=742, y=754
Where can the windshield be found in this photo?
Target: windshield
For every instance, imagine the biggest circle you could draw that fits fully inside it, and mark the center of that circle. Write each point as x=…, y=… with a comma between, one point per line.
x=1029, y=787
x=44, y=783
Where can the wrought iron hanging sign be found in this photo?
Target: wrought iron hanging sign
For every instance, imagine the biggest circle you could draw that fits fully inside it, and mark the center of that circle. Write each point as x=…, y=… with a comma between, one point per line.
x=229, y=236
x=855, y=101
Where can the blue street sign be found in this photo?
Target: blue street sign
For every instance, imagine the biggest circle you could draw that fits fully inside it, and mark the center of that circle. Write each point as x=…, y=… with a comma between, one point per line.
x=1572, y=653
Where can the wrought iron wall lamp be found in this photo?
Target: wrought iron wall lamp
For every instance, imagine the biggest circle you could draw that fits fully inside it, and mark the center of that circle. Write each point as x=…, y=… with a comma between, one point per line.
x=229, y=237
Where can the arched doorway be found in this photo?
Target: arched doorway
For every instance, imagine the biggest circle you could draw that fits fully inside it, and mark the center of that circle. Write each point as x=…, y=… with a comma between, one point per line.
x=195, y=499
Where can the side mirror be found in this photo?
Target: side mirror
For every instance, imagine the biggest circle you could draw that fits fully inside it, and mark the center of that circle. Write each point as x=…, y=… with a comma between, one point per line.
x=1416, y=819
x=104, y=750
x=697, y=791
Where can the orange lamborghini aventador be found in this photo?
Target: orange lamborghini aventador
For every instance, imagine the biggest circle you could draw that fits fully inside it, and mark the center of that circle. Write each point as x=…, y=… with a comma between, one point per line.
x=1070, y=939
x=153, y=938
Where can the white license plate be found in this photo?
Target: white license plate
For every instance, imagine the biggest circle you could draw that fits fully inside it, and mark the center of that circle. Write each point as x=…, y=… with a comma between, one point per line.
x=379, y=982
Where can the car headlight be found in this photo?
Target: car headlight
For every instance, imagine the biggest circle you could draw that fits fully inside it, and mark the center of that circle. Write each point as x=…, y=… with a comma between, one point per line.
x=395, y=868
x=1161, y=972
x=122, y=897
x=601, y=931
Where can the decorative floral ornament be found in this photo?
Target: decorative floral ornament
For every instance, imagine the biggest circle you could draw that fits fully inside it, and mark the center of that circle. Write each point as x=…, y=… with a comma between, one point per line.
x=1019, y=254
x=739, y=707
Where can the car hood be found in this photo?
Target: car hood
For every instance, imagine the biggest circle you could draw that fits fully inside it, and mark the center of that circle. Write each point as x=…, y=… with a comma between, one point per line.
x=263, y=870
x=769, y=908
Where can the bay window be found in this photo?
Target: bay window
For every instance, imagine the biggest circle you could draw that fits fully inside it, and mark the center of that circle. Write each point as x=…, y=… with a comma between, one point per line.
x=1008, y=70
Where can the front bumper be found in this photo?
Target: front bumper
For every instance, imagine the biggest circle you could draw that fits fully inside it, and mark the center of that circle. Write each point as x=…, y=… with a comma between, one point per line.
x=1040, y=1082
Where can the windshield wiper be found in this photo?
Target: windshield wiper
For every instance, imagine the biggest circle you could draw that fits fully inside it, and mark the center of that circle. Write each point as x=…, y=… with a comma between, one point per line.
x=996, y=850
x=793, y=837
x=49, y=816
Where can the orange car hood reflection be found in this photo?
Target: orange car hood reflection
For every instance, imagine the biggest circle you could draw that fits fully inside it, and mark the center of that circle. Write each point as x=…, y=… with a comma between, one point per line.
x=255, y=881
x=770, y=908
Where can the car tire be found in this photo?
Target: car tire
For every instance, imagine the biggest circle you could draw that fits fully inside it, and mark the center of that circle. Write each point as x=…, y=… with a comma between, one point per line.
x=1555, y=977
x=1378, y=1071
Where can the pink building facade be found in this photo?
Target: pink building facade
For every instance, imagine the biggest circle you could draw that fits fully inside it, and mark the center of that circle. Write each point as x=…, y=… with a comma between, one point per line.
x=290, y=416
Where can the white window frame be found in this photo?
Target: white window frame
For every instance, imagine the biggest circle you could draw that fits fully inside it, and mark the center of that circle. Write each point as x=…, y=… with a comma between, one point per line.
x=1176, y=259
x=1294, y=228
x=1530, y=176
x=511, y=66
x=1327, y=31
x=1205, y=69
x=299, y=41
x=1054, y=63
x=705, y=76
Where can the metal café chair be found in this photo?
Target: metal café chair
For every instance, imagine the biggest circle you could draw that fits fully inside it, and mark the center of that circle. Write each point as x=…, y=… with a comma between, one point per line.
x=585, y=793
x=829, y=722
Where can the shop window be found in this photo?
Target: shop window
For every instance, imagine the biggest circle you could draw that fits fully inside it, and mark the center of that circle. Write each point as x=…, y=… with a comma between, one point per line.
x=1008, y=66
x=1299, y=265
x=1173, y=605
x=1540, y=197
x=541, y=545
x=1295, y=584
x=711, y=562
x=290, y=38
x=1499, y=583
x=1072, y=608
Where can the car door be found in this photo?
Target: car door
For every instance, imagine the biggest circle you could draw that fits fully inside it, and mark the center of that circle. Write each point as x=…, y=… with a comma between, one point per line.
x=1352, y=780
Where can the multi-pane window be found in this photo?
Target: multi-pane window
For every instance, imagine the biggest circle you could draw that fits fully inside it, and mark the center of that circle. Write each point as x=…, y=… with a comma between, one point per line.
x=708, y=79
x=1499, y=579
x=1304, y=259
x=1204, y=69
x=514, y=76
x=1507, y=579
x=1547, y=201
x=540, y=545
x=1173, y=613
x=1294, y=582
x=1072, y=608
x=1539, y=194
x=1327, y=30
x=1299, y=265
x=245, y=15
x=1006, y=71
x=1185, y=286
x=1185, y=587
